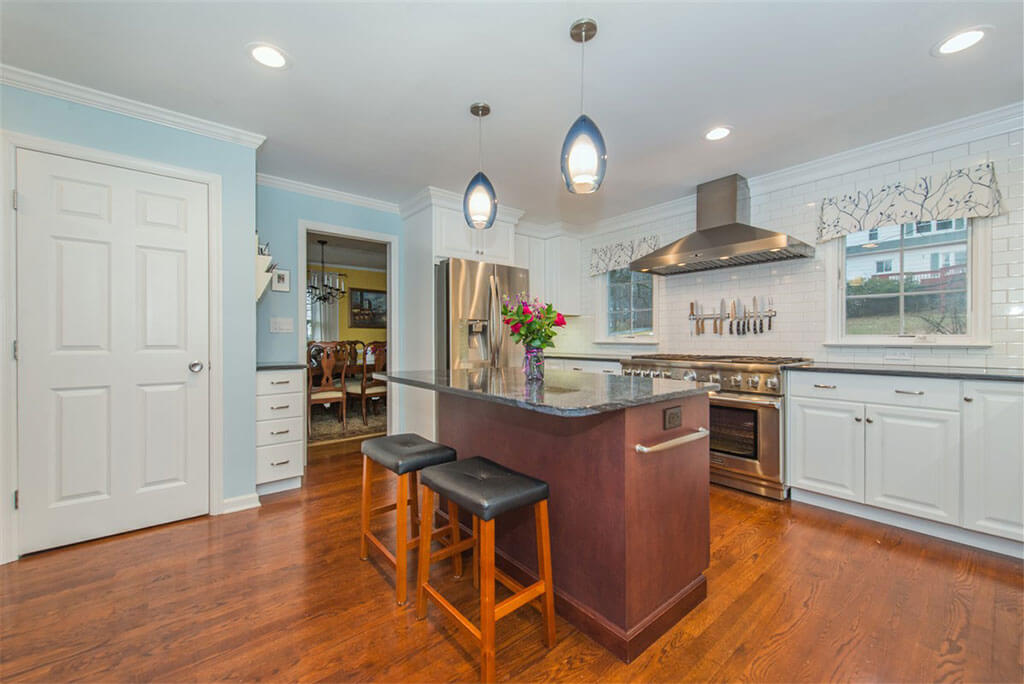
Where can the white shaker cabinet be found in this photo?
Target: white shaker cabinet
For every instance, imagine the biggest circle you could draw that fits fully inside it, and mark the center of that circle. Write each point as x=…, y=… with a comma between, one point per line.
x=826, y=446
x=454, y=238
x=993, y=458
x=912, y=461
x=562, y=274
x=280, y=428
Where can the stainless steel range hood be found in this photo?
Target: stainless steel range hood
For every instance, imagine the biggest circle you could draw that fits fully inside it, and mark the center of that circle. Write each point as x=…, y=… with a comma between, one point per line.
x=724, y=236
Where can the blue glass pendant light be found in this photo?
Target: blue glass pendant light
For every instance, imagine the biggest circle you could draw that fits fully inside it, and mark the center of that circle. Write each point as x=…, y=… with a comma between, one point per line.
x=584, y=157
x=479, y=203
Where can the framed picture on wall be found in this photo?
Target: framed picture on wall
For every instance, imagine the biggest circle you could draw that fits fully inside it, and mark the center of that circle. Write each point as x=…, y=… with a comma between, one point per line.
x=281, y=281
x=368, y=308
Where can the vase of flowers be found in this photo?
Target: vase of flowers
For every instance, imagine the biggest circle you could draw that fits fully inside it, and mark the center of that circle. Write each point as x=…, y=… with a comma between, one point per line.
x=532, y=324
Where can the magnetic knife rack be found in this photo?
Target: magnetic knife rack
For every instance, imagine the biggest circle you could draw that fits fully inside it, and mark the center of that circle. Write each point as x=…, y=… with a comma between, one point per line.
x=747, y=324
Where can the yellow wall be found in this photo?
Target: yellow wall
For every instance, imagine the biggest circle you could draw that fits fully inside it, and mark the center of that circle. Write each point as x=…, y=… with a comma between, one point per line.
x=366, y=280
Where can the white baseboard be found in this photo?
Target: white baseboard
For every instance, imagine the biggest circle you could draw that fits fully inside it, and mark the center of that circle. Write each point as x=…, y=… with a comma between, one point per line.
x=1006, y=547
x=240, y=503
x=279, y=486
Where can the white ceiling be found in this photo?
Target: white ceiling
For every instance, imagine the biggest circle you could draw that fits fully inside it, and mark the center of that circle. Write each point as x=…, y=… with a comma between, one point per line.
x=341, y=251
x=376, y=100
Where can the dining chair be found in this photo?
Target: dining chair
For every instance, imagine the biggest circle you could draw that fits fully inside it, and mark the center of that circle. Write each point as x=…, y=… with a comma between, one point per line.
x=326, y=358
x=375, y=357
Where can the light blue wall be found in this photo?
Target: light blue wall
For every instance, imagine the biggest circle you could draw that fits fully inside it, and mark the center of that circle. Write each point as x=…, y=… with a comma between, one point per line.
x=277, y=217
x=49, y=117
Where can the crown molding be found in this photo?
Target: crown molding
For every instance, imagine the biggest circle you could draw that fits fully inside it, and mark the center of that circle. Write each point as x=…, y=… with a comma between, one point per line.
x=432, y=196
x=46, y=85
x=325, y=193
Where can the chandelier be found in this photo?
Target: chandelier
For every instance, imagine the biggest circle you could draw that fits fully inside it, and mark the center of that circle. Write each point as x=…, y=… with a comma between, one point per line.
x=326, y=291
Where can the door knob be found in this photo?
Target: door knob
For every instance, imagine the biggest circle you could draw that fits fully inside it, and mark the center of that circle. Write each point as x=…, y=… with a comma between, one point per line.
x=857, y=418
x=195, y=366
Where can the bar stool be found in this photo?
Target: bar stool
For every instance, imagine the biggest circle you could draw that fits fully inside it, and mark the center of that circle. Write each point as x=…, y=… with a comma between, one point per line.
x=404, y=455
x=486, y=489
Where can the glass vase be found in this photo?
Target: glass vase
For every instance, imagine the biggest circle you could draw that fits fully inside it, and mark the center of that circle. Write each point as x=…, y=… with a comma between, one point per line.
x=533, y=364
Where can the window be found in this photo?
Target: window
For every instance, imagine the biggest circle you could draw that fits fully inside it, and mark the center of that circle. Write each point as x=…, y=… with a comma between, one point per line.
x=908, y=280
x=630, y=302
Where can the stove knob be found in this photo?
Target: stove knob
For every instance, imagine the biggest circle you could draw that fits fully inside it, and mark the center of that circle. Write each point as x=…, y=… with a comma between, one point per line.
x=655, y=373
x=754, y=381
x=715, y=378
x=666, y=374
x=772, y=383
x=689, y=375
x=645, y=373
x=736, y=380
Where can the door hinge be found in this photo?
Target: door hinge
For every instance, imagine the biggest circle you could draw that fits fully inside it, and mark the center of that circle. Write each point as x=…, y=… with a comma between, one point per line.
x=14, y=199
x=16, y=499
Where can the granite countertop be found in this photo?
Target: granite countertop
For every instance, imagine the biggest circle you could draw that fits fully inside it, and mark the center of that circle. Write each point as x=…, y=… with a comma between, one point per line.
x=951, y=372
x=279, y=366
x=563, y=393
x=583, y=357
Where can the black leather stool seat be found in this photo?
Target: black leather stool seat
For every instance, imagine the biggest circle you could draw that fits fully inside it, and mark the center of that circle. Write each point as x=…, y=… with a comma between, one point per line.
x=483, y=487
x=407, y=452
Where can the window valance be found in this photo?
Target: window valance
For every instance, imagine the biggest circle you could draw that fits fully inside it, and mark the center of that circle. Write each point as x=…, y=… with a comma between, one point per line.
x=619, y=254
x=961, y=193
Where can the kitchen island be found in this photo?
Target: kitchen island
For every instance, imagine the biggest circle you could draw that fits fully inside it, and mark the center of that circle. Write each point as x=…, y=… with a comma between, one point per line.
x=626, y=459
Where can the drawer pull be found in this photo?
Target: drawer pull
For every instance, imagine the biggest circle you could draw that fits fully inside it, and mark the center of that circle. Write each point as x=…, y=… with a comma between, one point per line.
x=278, y=463
x=608, y=371
x=916, y=393
x=869, y=420
x=280, y=382
x=968, y=399
x=576, y=368
x=858, y=418
x=278, y=408
x=825, y=386
x=279, y=432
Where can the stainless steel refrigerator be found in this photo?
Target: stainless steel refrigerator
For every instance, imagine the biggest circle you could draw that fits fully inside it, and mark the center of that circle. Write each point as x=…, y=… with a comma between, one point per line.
x=469, y=330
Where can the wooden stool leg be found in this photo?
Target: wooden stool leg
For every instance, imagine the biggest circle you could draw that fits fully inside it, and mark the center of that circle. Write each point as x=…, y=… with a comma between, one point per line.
x=414, y=501
x=487, y=673
x=364, y=510
x=423, y=567
x=540, y=513
x=453, y=523
x=402, y=538
x=476, y=552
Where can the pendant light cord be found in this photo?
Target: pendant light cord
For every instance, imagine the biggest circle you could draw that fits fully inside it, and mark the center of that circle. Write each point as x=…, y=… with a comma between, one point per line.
x=583, y=48
x=480, y=143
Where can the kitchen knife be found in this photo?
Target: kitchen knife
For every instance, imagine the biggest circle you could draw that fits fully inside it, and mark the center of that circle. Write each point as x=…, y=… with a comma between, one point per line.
x=692, y=321
x=732, y=316
x=755, y=315
x=760, y=319
x=740, y=317
x=771, y=308
x=700, y=319
x=721, y=317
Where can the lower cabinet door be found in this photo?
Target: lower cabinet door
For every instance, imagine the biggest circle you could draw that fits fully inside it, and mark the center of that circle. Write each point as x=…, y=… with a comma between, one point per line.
x=825, y=446
x=278, y=461
x=912, y=461
x=993, y=453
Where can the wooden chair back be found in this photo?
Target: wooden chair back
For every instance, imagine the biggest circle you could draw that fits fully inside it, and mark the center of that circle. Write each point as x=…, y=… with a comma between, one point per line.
x=322, y=359
x=379, y=364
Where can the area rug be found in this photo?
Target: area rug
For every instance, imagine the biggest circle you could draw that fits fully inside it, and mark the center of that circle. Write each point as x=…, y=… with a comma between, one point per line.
x=326, y=426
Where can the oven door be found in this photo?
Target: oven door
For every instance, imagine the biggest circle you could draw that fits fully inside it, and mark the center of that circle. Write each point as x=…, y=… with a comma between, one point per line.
x=745, y=434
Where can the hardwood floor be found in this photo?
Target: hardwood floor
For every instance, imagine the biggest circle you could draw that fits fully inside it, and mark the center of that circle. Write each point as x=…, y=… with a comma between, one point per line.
x=795, y=593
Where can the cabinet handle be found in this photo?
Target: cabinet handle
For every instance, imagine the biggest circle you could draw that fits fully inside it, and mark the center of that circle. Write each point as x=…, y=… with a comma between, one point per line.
x=278, y=408
x=277, y=463
x=279, y=432
x=577, y=368
x=858, y=418
x=825, y=386
x=699, y=433
x=968, y=399
x=916, y=393
x=869, y=420
x=609, y=372
x=279, y=382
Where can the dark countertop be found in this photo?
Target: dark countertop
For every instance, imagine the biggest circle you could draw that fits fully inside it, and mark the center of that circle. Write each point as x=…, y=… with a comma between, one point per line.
x=583, y=357
x=950, y=372
x=563, y=393
x=279, y=366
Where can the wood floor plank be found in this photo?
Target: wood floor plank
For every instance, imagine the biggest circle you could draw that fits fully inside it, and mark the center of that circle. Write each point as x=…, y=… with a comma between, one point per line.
x=278, y=593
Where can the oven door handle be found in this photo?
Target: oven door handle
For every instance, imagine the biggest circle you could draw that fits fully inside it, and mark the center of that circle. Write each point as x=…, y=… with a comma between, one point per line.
x=744, y=402
x=699, y=433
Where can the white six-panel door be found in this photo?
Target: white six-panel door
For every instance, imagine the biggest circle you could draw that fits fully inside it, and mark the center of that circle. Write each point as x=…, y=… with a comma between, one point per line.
x=113, y=426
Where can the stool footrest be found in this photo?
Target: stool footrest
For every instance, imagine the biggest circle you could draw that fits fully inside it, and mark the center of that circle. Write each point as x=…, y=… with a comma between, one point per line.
x=452, y=549
x=518, y=599
x=513, y=586
x=445, y=605
x=372, y=538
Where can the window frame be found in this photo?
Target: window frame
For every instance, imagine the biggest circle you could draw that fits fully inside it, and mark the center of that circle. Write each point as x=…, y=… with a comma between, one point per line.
x=602, y=336
x=979, y=288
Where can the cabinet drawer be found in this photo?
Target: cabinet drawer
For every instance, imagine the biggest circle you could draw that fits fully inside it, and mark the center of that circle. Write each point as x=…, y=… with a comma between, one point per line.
x=279, y=431
x=279, y=382
x=275, y=406
x=897, y=390
x=278, y=462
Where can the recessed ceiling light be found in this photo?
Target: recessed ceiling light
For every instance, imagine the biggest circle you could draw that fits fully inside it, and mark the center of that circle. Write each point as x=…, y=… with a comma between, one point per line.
x=718, y=132
x=268, y=55
x=960, y=41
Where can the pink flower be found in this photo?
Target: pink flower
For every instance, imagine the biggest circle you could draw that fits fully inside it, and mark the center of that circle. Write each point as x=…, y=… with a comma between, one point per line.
x=517, y=327
x=508, y=321
x=526, y=309
x=559, y=320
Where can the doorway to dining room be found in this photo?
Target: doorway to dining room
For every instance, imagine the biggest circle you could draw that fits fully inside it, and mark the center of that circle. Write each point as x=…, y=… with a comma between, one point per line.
x=347, y=306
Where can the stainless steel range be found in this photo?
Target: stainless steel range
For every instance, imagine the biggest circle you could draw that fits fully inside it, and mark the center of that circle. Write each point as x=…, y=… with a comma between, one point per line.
x=747, y=414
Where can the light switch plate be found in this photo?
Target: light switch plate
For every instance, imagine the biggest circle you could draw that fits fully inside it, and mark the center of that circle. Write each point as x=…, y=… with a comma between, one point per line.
x=282, y=325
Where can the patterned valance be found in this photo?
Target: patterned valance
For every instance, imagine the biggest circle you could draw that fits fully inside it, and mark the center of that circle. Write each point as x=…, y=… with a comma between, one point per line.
x=961, y=193
x=619, y=254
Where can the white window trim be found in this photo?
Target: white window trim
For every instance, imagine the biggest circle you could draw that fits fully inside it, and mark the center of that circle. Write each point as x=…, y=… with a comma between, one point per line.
x=979, y=297
x=601, y=335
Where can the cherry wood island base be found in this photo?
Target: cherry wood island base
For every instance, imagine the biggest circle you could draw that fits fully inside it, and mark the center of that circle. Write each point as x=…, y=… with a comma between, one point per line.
x=629, y=531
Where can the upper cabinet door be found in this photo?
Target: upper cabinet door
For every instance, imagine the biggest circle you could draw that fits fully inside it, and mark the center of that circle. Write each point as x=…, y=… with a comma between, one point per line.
x=912, y=461
x=453, y=238
x=497, y=243
x=993, y=469
x=825, y=447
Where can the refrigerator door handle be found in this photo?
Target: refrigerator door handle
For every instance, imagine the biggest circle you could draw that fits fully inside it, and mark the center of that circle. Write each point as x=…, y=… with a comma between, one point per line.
x=495, y=331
